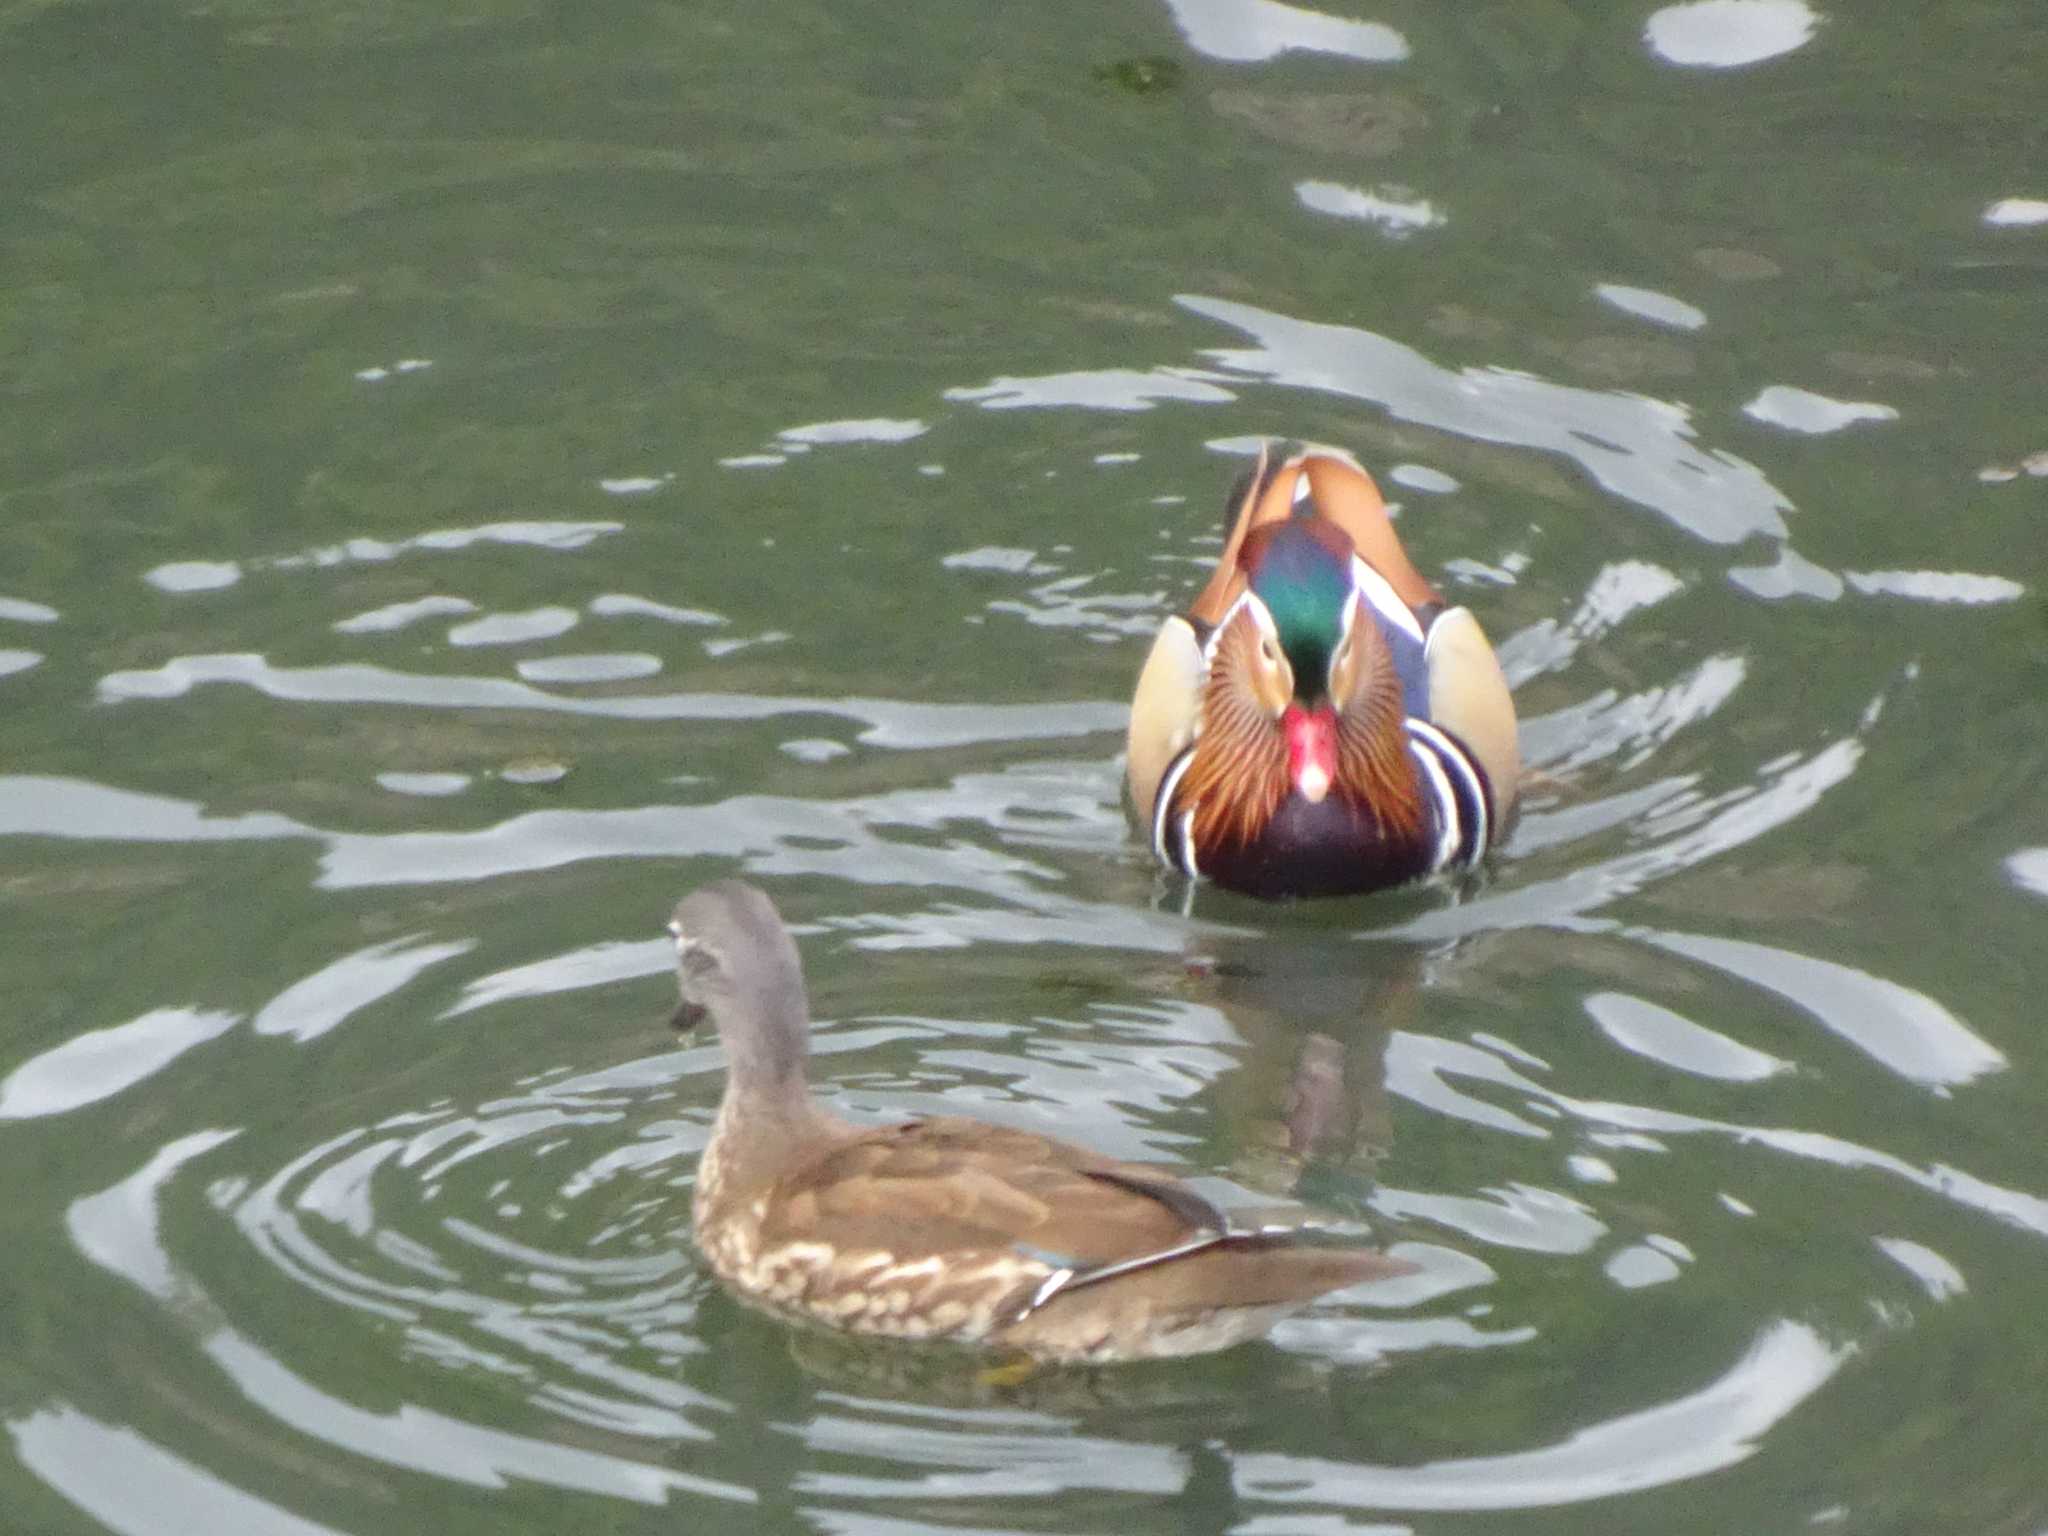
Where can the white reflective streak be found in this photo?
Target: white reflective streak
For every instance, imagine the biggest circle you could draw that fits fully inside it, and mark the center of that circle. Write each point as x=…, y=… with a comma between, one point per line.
x=888, y=722
x=1639, y=448
x=1104, y=389
x=1717, y=1426
x=1801, y=410
x=2029, y=870
x=1793, y=787
x=1904, y=1030
x=118, y=1229
x=1962, y=587
x=313, y=1005
x=100, y=1063
x=1728, y=34
x=1251, y=31
x=1393, y=211
x=137, y=1488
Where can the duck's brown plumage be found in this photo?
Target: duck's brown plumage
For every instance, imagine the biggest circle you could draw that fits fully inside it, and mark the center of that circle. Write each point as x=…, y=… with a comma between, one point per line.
x=952, y=1228
x=1238, y=775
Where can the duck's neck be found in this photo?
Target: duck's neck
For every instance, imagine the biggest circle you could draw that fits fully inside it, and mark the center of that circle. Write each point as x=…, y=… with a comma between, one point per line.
x=763, y=1131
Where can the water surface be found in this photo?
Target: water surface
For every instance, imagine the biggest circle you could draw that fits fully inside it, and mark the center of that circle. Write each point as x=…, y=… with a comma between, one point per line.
x=476, y=472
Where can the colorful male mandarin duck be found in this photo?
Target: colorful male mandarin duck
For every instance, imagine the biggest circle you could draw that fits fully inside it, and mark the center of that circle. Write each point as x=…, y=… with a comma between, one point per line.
x=949, y=1228
x=1320, y=723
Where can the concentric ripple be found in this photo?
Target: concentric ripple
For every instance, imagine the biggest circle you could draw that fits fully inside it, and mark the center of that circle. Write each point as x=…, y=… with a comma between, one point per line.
x=1577, y=1111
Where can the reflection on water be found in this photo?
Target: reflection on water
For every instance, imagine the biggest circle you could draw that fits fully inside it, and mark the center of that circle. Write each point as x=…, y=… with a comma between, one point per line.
x=1699, y=1432
x=1246, y=31
x=207, y=575
x=1637, y=448
x=119, y=1230
x=428, y=546
x=530, y=1236
x=1801, y=410
x=533, y=1239
x=102, y=1062
x=1392, y=212
x=1728, y=34
x=886, y=722
x=136, y=1487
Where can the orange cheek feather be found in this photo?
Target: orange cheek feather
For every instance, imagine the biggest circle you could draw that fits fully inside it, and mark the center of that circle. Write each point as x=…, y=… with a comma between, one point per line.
x=1311, y=750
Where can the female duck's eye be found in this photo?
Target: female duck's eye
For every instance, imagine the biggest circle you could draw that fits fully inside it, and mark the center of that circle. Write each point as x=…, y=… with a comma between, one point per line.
x=1270, y=651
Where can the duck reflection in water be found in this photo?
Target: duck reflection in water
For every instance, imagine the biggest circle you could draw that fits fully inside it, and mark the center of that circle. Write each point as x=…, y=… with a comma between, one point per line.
x=1315, y=1008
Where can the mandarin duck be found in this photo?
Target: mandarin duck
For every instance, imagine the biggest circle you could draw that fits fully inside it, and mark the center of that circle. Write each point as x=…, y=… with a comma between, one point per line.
x=949, y=1228
x=1319, y=723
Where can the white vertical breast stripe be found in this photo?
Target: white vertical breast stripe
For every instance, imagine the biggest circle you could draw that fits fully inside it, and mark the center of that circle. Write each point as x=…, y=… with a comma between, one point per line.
x=1449, y=822
x=1443, y=756
x=1162, y=806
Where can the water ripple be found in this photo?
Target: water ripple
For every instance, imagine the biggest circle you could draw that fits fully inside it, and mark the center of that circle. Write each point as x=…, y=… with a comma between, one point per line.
x=1638, y=448
x=136, y=1487
x=887, y=722
x=120, y=1230
x=1247, y=31
x=100, y=1063
x=1703, y=1431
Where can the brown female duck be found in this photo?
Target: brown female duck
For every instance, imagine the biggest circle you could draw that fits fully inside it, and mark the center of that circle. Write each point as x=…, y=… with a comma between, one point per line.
x=952, y=1228
x=1320, y=722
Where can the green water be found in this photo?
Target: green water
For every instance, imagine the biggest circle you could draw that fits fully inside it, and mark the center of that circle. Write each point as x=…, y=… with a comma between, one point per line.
x=472, y=472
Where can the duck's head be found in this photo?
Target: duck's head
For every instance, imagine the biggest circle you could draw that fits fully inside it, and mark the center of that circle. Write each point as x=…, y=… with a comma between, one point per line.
x=737, y=965
x=1316, y=646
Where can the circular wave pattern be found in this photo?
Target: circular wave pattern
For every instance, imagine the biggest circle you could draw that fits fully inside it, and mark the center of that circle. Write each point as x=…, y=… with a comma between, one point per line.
x=513, y=1275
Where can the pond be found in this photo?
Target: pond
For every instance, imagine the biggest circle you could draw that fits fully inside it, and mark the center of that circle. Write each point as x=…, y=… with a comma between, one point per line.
x=475, y=472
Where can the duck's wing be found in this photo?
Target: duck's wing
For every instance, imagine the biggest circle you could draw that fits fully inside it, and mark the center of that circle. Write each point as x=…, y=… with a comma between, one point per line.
x=1468, y=696
x=961, y=1229
x=1166, y=712
x=963, y=1191
x=1345, y=494
x=1264, y=494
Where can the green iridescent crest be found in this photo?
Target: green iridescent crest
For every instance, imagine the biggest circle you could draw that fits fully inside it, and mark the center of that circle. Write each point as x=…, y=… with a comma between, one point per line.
x=1301, y=571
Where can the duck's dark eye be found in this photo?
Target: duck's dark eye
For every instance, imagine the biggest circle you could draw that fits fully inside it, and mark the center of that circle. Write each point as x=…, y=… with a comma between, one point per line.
x=699, y=962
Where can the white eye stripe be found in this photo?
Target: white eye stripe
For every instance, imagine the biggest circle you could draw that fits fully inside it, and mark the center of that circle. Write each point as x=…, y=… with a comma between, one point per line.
x=1248, y=603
